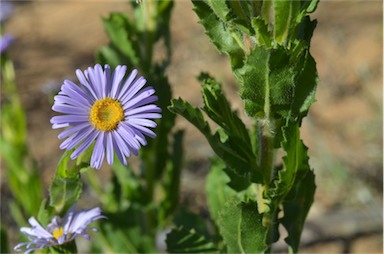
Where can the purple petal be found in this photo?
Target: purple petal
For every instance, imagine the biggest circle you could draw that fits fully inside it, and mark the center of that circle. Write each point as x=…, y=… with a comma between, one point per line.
x=85, y=83
x=142, y=122
x=128, y=136
x=118, y=144
x=67, y=132
x=98, y=152
x=69, y=119
x=5, y=41
x=144, y=130
x=87, y=142
x=65, y=100
x=145, y=115
x=117, y=77
x=94, y=78
x=147, y=108
x=109, y=147
x=73, y=91
x=127, y=83
x=140, y=137
x=70, y=109
x=130, y=103
x=75, y=140
x=139, y=83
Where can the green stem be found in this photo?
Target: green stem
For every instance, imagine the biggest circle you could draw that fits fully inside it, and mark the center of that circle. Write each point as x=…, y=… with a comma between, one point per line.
x=266, y=149
x=266, y=159
x=149, y=175
x=150, y=27
x=69, y=247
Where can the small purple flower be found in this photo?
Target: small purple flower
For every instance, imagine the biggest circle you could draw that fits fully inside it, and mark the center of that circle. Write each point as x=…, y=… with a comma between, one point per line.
x=5, y=41
x=59, y=231
x=108, y=108
x=6, y=9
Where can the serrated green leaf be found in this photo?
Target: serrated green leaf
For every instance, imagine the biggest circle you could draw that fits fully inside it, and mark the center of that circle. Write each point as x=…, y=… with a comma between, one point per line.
x=64, y=192
x=267, y=82
x=129, y=183
x=226, y=39
x=163, y=17
x=238, y=181
x=180, y=240
x=218, y=192
x=237, y=7
x=306, y=29
x=296, y=207
x=66, y=248
x=306, y=81
x=219, y=110
x=234, y=133
x=192, y=221
x=309, y=5
x=122, y=233
x=223, y=144
x=66, y=185
x=193, y=115
x=120, y=32
x=219, y=7
x=18, y=214
x=43, y=216
x=285, y=18
x=155, y=155
x=109, y=55
x=295, y=160
x=172, y=184
x=241, y=227
x=262, y=34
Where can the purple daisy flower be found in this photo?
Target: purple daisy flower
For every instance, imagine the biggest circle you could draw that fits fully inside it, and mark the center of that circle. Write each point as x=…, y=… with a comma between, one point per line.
x=5, y=41
x=107, y=108
x=6, y=10
x=59, y=231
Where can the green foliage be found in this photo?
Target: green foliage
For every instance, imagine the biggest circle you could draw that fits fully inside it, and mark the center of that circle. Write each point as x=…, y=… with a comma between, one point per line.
x=296, y=207
x=3, y=240
x=66, y=185
x=132, y=39
x=20, y=167
x=123, y=46
x=274, y=82
x=181, y=240
x=153, y=190
x=241, y=227
x=69, y=247
x=218, y=192
x=226, y=39
x=231, y=141
x=267, y=83
x=123, y=233
x=172, y=180
x=268, y=46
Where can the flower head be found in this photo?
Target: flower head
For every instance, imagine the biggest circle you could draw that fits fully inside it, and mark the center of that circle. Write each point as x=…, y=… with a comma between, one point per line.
x=5, y=41
x=6, y=9
x=59, y=231
x=108, y=108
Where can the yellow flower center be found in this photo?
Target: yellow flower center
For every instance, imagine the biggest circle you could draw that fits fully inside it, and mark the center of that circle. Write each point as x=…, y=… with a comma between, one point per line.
x=106, y=114
x=57, y=232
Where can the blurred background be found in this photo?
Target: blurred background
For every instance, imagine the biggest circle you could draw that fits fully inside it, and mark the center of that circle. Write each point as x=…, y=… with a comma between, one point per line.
x=344, y=129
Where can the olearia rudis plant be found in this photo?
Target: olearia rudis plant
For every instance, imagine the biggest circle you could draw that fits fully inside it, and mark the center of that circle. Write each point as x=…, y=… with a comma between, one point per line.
x=249, y=194
x=123, y=106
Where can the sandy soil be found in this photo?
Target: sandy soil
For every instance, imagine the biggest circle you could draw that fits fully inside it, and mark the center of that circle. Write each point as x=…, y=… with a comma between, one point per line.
x=343, y=129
